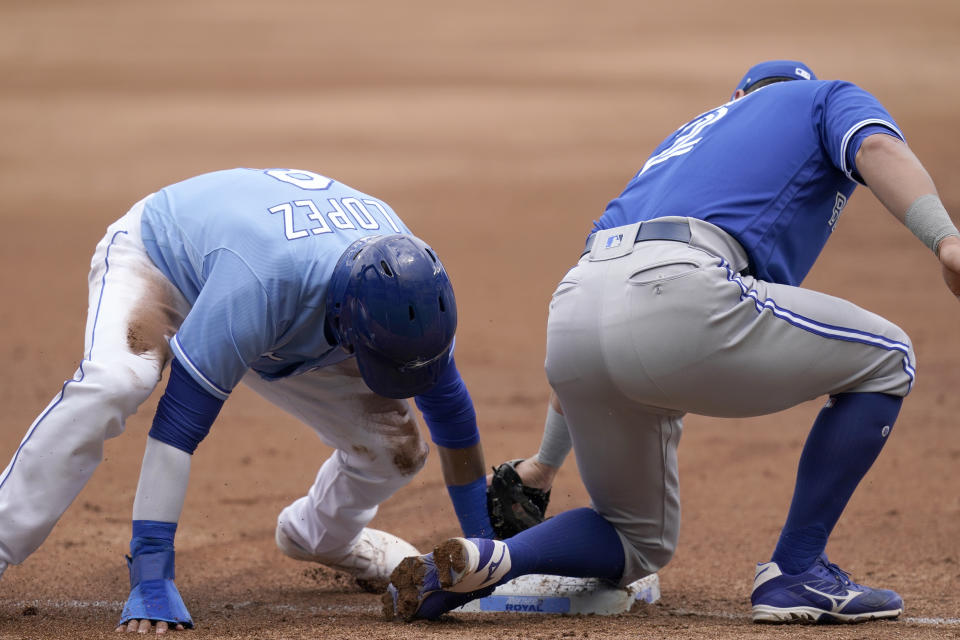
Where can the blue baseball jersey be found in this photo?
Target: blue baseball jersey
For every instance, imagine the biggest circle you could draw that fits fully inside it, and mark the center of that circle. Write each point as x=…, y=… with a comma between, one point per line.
x=252, y=250
x=773, y=169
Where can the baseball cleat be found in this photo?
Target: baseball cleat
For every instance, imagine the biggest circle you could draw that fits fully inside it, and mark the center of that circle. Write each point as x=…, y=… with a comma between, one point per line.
x=371, y=560
x=457, y=571
x=822, y=593
x=465, y=565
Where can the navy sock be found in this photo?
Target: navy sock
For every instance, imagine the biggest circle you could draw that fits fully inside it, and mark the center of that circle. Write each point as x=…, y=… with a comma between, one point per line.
x=845, y=440
x=578, y=543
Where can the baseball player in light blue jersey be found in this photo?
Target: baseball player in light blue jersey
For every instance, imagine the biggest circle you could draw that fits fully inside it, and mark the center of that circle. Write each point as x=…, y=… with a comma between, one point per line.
x=310, y=292
x=687, y=299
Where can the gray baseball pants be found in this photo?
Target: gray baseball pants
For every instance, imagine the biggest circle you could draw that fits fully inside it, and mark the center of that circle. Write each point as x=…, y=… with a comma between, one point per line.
x=641, y=333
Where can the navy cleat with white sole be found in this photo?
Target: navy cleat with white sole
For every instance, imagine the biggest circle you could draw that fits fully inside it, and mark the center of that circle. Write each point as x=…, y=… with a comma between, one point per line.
x=822, y=593
x=457, y=571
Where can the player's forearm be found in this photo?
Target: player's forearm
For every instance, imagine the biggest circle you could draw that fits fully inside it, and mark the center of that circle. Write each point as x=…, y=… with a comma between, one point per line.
x=461, y=466
x=555, y=444
x=156, y=509
x=467, y=487
x=162, y=489
x=905, y=188
x=893, y=173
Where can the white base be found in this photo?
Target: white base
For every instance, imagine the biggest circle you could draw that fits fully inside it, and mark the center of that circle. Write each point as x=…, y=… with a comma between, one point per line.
x=571, y=596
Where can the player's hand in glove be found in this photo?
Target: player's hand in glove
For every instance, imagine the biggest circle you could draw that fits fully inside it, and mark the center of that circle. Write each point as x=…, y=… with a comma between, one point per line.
x=536, y=474
x=950, y=261
x=513, y=505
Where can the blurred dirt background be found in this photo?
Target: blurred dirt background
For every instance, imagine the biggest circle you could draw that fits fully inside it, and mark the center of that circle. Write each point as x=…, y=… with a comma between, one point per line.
x=498, y=131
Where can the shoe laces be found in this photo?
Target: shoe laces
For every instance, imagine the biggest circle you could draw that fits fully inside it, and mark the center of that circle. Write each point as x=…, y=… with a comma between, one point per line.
x=841, y=576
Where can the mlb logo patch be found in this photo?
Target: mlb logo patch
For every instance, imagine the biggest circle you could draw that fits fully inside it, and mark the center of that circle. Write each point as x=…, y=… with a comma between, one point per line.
x=614, y=241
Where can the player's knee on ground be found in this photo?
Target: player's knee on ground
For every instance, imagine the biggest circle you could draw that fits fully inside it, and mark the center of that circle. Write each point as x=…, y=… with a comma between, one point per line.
x=644, y=555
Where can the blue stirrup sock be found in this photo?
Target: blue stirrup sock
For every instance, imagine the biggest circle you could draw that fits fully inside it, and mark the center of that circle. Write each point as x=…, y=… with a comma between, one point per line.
x=578, y=543
x=845, y=440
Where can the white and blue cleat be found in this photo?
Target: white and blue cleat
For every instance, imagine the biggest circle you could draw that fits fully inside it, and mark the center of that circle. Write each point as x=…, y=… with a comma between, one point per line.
x=823, y=593
x=458, y=571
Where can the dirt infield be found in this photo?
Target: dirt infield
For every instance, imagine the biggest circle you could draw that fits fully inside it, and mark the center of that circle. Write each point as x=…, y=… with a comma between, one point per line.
x=498, y=131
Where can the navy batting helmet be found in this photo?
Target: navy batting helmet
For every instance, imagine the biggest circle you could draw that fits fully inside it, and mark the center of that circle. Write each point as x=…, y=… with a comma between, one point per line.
x=391, y=303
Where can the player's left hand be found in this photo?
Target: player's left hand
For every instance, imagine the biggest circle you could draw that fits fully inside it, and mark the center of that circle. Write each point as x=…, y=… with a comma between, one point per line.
x=143, y=626
x=536, y=474
x=154, y=597
x=950, y=262
x=513, y=506
x=533, y=473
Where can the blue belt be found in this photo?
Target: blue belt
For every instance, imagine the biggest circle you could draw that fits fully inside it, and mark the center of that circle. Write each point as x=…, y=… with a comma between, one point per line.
x=652, y=230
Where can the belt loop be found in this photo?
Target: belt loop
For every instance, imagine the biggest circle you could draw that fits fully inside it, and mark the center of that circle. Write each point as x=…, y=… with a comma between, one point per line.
x=589, y=244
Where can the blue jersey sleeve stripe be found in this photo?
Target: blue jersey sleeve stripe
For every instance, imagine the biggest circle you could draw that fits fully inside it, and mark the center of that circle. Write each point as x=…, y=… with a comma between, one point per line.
x=848, y=136
x=822, y=329
x=195, y=372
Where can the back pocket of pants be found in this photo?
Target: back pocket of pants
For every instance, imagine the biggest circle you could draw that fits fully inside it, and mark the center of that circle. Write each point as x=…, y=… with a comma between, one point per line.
x=663, y=272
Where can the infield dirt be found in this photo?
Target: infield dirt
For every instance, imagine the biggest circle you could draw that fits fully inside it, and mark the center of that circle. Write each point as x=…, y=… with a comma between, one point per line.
x=498, y=131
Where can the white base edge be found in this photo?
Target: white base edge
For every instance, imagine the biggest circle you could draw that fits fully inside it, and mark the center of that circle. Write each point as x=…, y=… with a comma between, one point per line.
x=564, y=595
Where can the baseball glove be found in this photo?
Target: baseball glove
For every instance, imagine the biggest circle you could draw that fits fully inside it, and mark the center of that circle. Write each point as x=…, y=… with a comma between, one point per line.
x=512, y=505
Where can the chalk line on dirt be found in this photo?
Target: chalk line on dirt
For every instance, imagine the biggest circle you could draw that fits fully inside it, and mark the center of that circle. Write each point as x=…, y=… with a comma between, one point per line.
x=117, y=605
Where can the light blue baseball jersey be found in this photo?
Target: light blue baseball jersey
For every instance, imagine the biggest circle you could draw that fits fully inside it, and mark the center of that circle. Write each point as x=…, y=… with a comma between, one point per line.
x=774, y=169
x=252, y=250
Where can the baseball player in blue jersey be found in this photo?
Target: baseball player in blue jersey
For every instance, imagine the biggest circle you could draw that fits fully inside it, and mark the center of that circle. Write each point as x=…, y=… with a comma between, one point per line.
x=687, y=299
x=313, y=294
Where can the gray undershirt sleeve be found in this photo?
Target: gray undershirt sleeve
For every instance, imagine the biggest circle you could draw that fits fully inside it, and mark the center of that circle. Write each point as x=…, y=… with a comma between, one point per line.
x=555, y=444
x=162, y=489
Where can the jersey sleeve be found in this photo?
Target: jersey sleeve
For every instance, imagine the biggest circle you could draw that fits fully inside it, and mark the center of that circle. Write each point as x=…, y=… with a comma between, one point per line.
x=186, y=411
x=230, y=325
x=448, y=411
x=846, y=110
